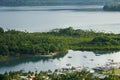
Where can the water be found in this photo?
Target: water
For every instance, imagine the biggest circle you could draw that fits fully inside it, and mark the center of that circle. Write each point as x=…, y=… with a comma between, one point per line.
x=45, y=18
x=78, y=58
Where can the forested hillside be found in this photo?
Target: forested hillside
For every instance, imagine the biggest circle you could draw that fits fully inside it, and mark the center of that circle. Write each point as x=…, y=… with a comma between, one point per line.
x=112, y=7
x=51, y=2
x=15, y=43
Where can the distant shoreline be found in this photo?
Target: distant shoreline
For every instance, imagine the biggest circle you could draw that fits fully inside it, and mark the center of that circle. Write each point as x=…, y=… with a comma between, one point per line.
x=112, y=7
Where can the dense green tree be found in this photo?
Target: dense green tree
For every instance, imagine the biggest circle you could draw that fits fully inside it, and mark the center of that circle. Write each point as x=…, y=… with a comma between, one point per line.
x=4, y=77
x=112, y=7
x=16, y=43
x=1, y=30
x=50, y=2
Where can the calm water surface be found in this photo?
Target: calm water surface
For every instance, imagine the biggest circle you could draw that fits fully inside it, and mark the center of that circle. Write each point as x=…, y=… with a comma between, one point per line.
x=78, y=58
x=45, y=18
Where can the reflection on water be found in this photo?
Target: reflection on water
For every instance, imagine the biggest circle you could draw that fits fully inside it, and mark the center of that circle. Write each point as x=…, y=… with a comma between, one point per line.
x=72, y=58
x=105, y=52
x=19, y=60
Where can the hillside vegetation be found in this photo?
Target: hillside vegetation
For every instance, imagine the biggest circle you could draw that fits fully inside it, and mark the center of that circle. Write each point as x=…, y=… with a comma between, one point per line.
x=16, y=43
x=51, y=2
x=112, y=7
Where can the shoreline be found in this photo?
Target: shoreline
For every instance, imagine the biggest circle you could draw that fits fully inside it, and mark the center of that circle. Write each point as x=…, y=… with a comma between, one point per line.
x=50, y=55
x=7, y=58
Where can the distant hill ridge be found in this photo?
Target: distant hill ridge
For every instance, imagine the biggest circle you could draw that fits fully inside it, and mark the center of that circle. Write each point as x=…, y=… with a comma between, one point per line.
x=51, y=2
x=112, y=7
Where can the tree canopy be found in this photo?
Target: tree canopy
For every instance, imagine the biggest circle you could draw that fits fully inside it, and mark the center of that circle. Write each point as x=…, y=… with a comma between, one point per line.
x=51, y=2
x=16, y=43
x=112, y=7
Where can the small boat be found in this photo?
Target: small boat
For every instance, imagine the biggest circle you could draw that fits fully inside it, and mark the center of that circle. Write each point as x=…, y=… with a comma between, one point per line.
x=51, y=60
x=109, y=59
x=69, y=57
x=97, y=54
x=68, y=64
x=85, y=56
x=91, y=59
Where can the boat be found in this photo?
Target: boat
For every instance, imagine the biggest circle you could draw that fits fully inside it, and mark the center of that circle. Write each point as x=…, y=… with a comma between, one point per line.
x=85, y=56
x=51, y=60
x=97, y=54
x=91, y=59
x=69, y=57
x=68, y=64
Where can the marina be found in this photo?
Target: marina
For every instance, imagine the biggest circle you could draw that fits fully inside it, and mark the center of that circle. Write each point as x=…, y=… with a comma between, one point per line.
x=79, y=59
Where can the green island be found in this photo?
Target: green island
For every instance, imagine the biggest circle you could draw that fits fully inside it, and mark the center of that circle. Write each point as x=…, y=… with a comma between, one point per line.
x=112, y=7
x=15, y=43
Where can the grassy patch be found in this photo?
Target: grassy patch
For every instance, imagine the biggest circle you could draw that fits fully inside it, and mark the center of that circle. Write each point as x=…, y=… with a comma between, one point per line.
x=115, y=72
